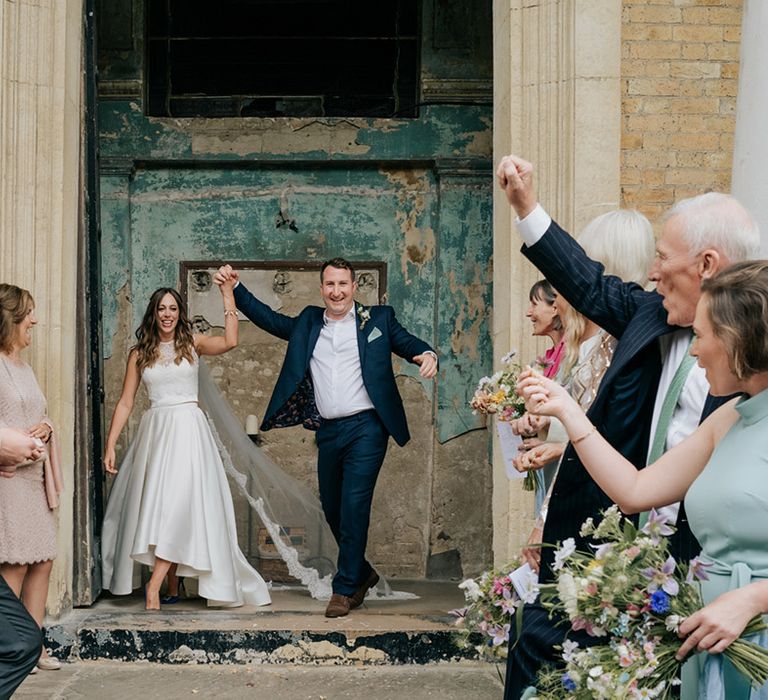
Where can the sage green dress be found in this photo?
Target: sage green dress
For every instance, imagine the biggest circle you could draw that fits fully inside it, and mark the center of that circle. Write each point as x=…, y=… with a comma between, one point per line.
x=727, y=509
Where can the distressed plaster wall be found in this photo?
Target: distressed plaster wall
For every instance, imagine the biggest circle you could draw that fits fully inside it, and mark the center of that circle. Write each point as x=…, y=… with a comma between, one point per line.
x=413, y=193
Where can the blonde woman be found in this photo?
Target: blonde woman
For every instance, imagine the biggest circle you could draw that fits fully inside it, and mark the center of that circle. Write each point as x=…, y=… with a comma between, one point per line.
x=622, y=240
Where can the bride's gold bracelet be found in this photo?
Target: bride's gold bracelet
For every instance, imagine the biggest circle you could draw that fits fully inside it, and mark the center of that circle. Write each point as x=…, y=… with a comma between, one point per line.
x=230, y=312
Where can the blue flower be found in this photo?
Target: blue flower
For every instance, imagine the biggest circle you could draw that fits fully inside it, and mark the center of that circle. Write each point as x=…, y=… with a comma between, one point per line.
x=659, y=602
x=568, y=683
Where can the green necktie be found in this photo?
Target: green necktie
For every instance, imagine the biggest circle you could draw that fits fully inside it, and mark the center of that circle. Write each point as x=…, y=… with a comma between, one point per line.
x=667, y=410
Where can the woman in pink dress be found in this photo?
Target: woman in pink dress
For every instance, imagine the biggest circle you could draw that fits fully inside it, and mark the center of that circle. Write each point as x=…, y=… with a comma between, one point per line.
x=28, y=491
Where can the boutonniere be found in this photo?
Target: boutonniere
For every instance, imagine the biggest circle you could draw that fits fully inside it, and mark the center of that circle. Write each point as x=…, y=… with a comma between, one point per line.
x=364, y=314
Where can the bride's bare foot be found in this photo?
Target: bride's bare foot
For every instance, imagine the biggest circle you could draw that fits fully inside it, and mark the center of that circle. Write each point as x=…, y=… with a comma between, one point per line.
x=151, y=599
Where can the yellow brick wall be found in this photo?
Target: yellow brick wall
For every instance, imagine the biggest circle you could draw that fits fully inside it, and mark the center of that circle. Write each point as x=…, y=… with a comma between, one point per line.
x=680, y=63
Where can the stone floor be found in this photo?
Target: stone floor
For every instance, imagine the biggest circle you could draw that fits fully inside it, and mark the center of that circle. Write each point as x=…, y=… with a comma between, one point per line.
x=110, y=680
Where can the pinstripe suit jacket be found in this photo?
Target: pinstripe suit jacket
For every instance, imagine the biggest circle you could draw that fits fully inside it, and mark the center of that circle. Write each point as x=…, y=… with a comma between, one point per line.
x=623, y=407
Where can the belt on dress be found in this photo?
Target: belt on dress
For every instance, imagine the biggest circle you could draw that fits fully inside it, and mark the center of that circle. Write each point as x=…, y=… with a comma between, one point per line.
x=740, y=573
x=174, y=405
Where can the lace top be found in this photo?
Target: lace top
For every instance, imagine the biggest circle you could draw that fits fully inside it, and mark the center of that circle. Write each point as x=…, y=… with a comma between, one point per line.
x=167, y=383
x=22, y=404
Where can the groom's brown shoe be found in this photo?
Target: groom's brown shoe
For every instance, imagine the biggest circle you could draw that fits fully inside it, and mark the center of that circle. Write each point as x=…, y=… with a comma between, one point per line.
x=357, y=598
x=338, y=606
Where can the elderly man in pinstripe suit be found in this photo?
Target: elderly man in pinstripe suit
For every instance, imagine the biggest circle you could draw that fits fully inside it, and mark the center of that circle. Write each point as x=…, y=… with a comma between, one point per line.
x=650, y=389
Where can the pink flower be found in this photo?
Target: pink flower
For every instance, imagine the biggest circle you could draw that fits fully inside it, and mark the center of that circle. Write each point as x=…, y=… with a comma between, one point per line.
x=625, y=661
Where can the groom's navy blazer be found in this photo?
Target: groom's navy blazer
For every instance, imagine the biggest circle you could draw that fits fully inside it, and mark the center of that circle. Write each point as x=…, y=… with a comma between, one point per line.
x=637, y=319
x=381, y=335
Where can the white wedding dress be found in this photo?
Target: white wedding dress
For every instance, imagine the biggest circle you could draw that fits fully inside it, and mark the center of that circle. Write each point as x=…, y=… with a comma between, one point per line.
x=171, y=498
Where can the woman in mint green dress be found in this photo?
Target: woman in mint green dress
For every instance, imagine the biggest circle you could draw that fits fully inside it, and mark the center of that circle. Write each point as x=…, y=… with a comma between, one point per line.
x=721, y=470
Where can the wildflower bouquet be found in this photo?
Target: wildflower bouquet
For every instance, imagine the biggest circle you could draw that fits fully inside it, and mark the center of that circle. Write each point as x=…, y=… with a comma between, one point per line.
x=633, y=593
x=492, y=605
x=495, y=395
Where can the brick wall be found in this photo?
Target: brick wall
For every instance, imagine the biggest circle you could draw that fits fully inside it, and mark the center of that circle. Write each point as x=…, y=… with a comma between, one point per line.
x=680, y=62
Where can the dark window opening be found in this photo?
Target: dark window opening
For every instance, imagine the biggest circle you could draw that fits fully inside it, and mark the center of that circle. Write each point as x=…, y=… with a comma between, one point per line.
x=280, y=58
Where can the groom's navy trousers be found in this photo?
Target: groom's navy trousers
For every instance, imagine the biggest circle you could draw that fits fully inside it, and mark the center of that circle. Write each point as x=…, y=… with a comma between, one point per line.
x=350, y=454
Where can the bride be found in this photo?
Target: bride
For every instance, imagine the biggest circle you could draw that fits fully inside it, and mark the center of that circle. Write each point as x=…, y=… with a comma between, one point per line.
x=170, y=503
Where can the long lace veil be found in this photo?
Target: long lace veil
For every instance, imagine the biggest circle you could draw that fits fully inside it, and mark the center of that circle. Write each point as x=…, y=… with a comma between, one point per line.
x=279, y=500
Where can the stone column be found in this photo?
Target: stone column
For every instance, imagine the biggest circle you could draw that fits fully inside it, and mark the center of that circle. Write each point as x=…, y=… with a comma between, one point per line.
x=40, y=76
x=557, y=103
x=750, y=152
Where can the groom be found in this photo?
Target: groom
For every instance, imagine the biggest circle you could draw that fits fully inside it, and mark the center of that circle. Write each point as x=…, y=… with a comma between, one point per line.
x=337, y=379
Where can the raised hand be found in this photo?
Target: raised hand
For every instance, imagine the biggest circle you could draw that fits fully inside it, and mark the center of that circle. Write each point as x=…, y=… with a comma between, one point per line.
x=515, y=177
x=543, y=396
x=226, y=274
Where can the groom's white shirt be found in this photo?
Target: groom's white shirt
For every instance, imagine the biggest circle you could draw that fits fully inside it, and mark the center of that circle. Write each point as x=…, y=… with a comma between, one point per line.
x=337, y=375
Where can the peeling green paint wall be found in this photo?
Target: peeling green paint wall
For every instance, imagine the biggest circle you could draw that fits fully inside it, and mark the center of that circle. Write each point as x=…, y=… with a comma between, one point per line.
x=414, y=193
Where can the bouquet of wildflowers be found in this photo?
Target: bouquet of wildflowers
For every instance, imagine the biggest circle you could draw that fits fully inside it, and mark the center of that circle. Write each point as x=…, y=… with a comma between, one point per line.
x=492, y=606
x=495, y=395
x=633, y=593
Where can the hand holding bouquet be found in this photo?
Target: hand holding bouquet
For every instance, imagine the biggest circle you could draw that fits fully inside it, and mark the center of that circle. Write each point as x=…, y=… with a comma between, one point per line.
x=495, y=395
x=633, y=593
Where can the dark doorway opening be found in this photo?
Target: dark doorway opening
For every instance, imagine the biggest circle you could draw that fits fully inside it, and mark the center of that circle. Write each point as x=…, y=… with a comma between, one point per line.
x=275, y=58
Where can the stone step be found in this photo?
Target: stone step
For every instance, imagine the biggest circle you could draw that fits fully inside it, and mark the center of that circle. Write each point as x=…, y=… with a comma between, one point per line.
x=291, y=630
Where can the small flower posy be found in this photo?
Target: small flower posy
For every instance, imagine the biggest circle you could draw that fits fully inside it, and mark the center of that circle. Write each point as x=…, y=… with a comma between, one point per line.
x=630, y=591
x=495, y=395
x=492, y=605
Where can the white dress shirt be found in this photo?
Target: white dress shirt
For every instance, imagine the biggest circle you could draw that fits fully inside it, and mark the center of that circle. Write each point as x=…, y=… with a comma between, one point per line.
x=690, y=403
x=337, y=375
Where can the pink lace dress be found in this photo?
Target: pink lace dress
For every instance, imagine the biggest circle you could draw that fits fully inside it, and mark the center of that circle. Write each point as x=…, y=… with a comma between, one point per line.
x=27, y=523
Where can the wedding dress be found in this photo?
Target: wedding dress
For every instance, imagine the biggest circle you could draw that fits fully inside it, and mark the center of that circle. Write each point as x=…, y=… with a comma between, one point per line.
x=171, y=498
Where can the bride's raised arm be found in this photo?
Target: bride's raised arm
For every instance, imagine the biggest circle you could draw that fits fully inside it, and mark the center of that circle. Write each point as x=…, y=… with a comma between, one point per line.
x=218, y=344
x=665, y=481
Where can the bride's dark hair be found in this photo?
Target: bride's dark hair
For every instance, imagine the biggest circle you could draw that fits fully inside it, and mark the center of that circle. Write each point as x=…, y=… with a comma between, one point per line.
x=148, y=333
